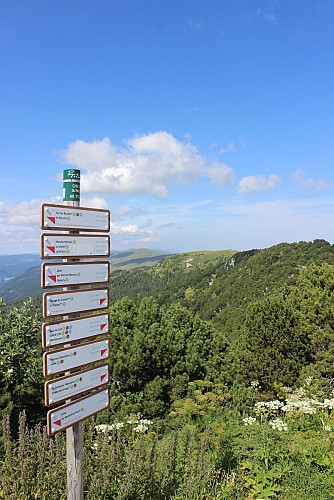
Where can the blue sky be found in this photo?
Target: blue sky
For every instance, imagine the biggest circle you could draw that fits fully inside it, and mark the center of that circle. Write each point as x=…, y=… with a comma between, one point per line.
x=200, y=124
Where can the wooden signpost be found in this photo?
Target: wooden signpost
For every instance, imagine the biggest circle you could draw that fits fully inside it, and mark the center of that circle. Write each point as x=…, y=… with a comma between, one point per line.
x=85, y=375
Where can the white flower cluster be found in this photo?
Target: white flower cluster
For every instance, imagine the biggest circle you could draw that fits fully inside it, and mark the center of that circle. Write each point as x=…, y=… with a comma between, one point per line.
x=249, y=420
x=109, y=427
x=277, y=423
x=303, y=406
x=267, y=407
x=143, y=425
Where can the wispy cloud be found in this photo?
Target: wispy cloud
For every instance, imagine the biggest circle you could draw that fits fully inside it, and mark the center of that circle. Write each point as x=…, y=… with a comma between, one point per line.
x=230, y=148
x=148, y=164
x=269, y=16
x=309, y=183
x=257, y=183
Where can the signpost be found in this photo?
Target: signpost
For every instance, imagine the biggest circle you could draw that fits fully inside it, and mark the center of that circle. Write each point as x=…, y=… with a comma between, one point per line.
x=67, y=274
x=66, y=328
x=72, y=218
x=66, y=387
x=74, y=301
x=71, y=330
x=72, y=413
x=62, y=360
x=54, y=246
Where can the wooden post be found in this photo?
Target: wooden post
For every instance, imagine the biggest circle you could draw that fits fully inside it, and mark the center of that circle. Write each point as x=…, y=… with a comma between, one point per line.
x=74, y=458
x=74, y=434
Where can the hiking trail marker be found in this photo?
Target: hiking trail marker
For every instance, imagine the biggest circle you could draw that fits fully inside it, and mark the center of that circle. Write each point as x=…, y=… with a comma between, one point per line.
x=69, y=328
x=62, y=388
x=69, y=358
x=55, y=246
x=72, y=413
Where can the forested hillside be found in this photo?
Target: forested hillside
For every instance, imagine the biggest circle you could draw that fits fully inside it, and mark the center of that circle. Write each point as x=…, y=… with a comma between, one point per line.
x=196, y=342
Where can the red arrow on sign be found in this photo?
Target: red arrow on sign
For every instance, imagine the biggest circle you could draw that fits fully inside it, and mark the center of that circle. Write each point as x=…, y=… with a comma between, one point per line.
x=52, y=219
x=103, y=376
x=101, y=301
x=58, y=422
x=53, y=278
x=52, y=249
x=103, y=351
x=102, y=326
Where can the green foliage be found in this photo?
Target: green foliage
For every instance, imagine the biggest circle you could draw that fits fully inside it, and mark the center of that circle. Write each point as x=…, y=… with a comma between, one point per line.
x=20, y=362
x=155, y=352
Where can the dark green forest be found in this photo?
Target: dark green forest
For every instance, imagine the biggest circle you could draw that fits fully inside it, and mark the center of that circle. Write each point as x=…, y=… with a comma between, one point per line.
x=212, y=349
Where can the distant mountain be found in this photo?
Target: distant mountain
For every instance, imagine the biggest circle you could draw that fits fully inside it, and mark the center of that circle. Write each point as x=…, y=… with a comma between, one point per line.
x=20, y=274
x=12, y=266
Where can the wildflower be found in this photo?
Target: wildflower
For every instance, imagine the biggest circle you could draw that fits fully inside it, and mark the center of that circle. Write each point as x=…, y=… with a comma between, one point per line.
x=267, y=407
x=278, y=424
x=249, y=420
x=141, y=428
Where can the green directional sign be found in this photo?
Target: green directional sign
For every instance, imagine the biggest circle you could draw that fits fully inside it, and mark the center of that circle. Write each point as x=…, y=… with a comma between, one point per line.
x=71, y=185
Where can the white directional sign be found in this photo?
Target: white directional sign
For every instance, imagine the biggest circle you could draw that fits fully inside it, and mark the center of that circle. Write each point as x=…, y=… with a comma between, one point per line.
x=66, y=359
x=67, y=274
x=65, y=246
x=59, y=303
x=63, y=417
x=71, y=330
x=72, y=385
x=67, y=218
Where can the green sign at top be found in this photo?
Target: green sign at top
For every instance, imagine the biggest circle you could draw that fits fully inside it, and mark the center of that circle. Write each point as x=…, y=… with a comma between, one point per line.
x=71, y=174
x=71, y=185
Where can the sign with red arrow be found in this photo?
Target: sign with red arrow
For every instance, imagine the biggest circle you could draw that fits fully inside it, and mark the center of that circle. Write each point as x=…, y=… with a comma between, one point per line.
x=67, y=274
x=75, y=384
x=69, y=302
x=65, y=246
x=75, y=218
x=67, y=415
x=71, y=330
x=69, y=358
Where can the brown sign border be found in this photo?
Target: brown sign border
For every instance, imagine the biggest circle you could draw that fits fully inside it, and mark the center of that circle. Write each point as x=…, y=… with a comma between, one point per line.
x=77, y=236
x=50, y=433
x=75, y=264
x=72, y=320
x=59, y=379
x=83, y=290
x=78, y=346
x=74, y=228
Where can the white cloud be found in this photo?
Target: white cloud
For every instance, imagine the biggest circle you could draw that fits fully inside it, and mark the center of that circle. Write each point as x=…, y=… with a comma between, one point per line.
x=220, y=174
x=148, y=164
x=315, y=185
x=230, y=148
x=257, y=183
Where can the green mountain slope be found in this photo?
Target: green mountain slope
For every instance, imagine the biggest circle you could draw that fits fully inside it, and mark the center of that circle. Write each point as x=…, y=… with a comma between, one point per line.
x=25, y=279
x=219, y=285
